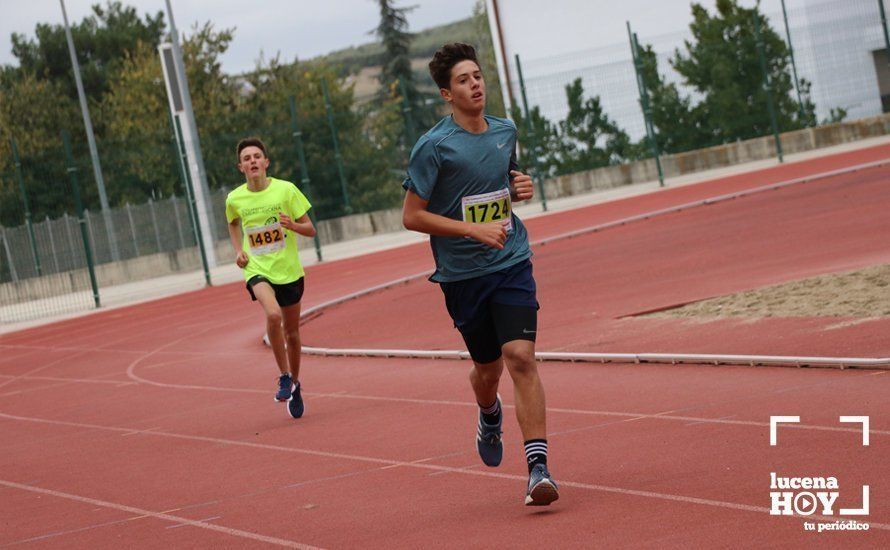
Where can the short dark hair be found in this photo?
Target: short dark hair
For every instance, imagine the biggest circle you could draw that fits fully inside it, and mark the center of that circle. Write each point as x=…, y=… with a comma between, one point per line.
x=446, y=58
x=251, y=142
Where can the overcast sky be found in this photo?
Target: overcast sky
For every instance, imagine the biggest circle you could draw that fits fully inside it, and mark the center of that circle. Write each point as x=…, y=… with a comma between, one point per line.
x=306, y=28
x=296, y=28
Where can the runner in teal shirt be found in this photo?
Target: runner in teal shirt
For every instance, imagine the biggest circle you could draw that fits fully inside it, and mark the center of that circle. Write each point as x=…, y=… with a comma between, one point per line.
x=462, y=181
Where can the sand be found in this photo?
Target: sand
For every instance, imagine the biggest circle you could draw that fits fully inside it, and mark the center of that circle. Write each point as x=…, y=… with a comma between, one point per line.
x=864, y=293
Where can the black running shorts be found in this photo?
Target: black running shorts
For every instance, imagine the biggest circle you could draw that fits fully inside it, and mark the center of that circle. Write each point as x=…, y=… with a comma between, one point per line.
x=287, y=294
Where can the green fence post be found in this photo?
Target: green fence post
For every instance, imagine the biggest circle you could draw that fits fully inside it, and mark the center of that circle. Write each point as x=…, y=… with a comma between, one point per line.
x=304, y=169
x=190, y=196
x=81, y=221
x=337, y=156
x=533, y=150
x=9, y=259
x=884, y=28
x=409, y=119
x=644, y=102
x=793, y=64
x=21, y=180
x=767, y=86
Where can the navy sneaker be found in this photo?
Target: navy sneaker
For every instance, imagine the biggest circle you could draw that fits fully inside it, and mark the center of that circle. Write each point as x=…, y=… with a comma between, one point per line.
x=541, y=489
x=285, y=385
x=488, y=439
x=295, y=406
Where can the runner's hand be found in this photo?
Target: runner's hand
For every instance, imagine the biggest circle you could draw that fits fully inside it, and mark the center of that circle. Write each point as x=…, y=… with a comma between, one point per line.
x=241, y=259
x=521, y=186
x=490, y=234
x=286, y=221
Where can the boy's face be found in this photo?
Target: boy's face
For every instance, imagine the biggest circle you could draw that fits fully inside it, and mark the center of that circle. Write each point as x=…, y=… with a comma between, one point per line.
x=467, y=91
x=252, y=162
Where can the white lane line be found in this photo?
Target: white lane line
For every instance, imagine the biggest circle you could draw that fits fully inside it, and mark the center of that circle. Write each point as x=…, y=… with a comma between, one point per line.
x=419, y=464
x=158, y=515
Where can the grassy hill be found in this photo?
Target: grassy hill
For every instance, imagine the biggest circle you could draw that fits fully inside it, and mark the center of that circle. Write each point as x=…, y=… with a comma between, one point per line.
x=425, y=43
x=360, y=65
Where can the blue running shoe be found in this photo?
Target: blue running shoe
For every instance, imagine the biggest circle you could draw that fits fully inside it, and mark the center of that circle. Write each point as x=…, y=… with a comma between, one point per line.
x=295, y=406
x=488, y=439
x=541, y=489
x=285, y=385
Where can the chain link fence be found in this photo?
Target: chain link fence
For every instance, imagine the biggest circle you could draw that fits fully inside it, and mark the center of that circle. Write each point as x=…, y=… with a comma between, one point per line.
x=349, y=157
x=835, y=59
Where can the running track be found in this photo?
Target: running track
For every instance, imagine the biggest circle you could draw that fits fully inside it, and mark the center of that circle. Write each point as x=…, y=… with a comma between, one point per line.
x=153, y=426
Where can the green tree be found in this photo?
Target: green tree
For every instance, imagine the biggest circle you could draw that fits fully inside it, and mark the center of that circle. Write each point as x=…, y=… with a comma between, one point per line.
x=34, y=111
x=137, y=149
x=369, y=135
x=393, y=33
x=546, y=140
x=101, y=39
x=722, y=64
x=679, y=126
x=588, y=138
x=396, y=77
x=139, y=154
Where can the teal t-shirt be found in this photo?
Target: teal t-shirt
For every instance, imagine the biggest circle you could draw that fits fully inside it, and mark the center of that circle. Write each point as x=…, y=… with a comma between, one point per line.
x=466, y=176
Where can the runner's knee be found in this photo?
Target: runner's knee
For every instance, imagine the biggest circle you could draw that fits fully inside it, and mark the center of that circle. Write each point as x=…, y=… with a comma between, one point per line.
x=273, y=316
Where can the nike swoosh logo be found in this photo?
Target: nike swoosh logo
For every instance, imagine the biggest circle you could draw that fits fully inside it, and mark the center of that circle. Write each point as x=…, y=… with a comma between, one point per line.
x=524, y=331
x=501, y=145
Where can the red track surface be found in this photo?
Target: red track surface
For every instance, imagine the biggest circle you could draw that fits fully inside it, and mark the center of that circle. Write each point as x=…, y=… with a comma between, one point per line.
x=153, y=426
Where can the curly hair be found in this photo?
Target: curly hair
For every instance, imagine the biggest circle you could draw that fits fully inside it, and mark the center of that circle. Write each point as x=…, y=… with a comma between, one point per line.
x=446, y=58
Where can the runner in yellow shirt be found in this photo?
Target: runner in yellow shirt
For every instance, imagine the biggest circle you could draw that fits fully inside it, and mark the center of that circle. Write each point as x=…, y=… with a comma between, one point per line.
x=264, y=214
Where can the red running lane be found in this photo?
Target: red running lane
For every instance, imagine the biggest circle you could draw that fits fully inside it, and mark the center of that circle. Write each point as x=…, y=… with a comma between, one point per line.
x=647, y=455
x=155, y=424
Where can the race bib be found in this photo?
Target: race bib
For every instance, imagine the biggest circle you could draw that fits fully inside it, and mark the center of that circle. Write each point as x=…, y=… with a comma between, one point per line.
x=265, y=239
x=488, y=208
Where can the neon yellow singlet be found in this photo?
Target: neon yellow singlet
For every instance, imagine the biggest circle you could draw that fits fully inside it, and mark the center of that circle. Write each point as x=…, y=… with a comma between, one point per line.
x=272, y=249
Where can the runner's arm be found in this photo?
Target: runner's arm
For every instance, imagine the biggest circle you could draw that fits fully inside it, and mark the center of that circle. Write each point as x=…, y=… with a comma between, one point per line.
x=416, y=217
x=303, y=225
x=235, y=237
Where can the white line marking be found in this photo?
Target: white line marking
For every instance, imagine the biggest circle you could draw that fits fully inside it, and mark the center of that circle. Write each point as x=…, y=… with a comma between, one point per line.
x=157, y=515
x=414, y=464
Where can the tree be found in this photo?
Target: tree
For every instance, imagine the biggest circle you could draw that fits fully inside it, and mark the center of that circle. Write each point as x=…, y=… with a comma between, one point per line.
x=678, y=125
x=139, y=154
x=369, y=135
x=588, y=137
x=722, y=64
x=34, y=111
x=546, y=141
x=396, y=77
x=102, y=41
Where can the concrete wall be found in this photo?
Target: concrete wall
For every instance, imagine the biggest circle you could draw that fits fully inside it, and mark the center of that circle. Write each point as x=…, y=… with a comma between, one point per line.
x=385, y=221
x=717, y=157
x=108, y=274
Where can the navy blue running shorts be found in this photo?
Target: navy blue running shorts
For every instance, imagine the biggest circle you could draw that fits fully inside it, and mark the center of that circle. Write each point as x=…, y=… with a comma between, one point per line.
x=494, y=309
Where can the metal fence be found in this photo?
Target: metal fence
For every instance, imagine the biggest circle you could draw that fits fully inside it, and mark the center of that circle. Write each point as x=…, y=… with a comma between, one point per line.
x=350, y=157
x=838, y=47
